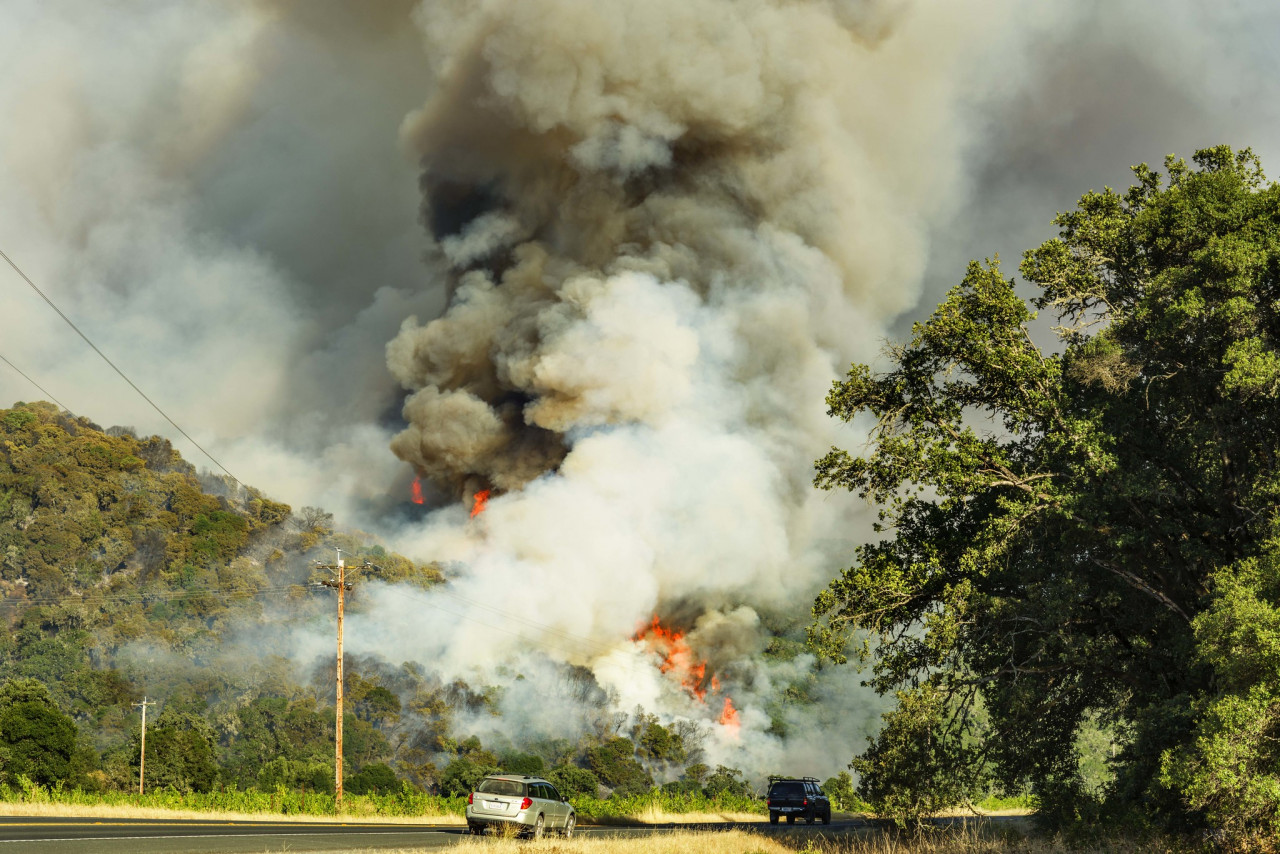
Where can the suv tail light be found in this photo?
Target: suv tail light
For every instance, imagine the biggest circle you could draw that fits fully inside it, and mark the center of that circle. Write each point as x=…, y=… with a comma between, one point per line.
x=526, y=803
x=768, y=802
x=471, y=798
x=805, y=802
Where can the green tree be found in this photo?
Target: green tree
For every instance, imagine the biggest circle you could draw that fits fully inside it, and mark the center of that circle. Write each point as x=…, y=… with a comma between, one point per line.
x=1231, y=767
x=515, y=762
x=1058, y=520
x=839, y=790
x=573, y=782
x=36, y=739
x=376, y=777
x=726, y=781
x=614, y=763
x=462, y=774
x=180, y=751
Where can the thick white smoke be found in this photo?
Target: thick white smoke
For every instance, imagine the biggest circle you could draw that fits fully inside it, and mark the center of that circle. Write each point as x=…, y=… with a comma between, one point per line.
x=654, y=233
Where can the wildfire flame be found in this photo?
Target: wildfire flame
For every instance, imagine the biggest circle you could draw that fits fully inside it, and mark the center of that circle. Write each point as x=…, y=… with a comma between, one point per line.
x=729, y=717
x=417, y=491
x=679, y=661
x=478, y=503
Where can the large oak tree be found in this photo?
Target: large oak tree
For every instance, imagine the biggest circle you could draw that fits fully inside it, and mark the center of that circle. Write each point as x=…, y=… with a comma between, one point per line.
x=1086, y=531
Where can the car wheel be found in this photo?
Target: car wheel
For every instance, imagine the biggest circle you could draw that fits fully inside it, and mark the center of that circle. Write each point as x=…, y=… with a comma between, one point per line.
x=568, y=826
x=773, y=818
x=810, y=817
x=791, y=819
x=538, y=825
x=477, y=829
x=826, y=817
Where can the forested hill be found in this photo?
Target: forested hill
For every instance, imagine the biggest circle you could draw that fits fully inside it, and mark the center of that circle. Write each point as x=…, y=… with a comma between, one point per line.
x=125, y=572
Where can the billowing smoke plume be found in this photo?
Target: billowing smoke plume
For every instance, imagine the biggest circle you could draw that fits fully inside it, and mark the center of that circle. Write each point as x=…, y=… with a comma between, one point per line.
x=668, y=225
x=654, y=233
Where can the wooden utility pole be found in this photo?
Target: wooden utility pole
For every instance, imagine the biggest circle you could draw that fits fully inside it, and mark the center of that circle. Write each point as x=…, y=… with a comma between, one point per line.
x=340, y=584
x=142, y=761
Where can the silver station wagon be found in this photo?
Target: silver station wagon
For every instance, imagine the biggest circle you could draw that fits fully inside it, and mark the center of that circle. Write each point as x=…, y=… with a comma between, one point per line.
x=528, y=804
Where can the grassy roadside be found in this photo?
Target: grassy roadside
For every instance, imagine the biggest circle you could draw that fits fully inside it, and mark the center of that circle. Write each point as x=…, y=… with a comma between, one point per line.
x=959, y=841
x=406, y=805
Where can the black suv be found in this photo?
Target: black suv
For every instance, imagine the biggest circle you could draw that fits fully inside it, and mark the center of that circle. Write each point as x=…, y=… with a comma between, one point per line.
x=798, y=796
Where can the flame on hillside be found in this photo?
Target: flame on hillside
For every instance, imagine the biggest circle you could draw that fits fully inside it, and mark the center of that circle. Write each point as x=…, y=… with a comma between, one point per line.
x=729, y=717
x=478, y=502
x=681, y=664
x=417, y=491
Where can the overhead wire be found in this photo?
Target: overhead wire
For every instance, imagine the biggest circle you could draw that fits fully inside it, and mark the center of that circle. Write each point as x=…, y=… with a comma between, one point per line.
x=543, y=628
x=41, y=388
x=548, y=631
x=115, y=368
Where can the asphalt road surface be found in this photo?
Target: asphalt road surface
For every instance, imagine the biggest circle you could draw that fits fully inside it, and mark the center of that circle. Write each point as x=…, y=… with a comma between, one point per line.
x=188, y=836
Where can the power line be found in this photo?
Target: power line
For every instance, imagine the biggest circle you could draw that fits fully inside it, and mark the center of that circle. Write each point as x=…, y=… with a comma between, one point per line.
x=122, y=374
x=36, y=384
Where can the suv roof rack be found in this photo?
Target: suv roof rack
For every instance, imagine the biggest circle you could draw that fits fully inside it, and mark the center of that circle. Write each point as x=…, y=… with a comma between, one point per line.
x=773, y=778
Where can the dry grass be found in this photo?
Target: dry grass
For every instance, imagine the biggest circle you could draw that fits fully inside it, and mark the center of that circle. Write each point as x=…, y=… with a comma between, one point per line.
x=678, y=842
x=655, y=815
x=114, y=811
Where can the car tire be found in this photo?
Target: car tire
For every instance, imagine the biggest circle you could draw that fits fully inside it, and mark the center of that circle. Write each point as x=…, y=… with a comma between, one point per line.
x=791, y=819
x=477, y=829
x=569, y=825
x=538, y=827
x=810, y=817
x=773, y=818
x=826, y=817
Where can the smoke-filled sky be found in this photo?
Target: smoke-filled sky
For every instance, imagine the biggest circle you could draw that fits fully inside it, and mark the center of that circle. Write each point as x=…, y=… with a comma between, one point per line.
x=603, y=259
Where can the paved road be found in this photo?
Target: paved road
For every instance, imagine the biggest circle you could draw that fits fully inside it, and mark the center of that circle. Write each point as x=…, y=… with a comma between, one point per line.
x=183, y=836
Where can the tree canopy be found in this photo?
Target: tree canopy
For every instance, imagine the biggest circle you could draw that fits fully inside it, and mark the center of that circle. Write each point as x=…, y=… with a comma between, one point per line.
x=1083, y=533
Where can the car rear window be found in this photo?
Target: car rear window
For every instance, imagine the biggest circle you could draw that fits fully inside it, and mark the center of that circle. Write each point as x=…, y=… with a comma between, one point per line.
x=786, y=790
x=501, y=787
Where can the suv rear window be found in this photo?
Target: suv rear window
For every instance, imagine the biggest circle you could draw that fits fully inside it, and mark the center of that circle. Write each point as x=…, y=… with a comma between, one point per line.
x=786, y=790
x=501, y=787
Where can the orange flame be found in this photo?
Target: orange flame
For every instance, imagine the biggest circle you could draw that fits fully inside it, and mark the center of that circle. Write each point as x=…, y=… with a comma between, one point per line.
x=729, y=717
x=417, y=491
x=678, y=659
x=479, y=502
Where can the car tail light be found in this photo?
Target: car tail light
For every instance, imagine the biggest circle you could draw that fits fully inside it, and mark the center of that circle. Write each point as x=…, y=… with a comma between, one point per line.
x=526, y=803
x=471, y=798
x=805, y=802
x=768, y=802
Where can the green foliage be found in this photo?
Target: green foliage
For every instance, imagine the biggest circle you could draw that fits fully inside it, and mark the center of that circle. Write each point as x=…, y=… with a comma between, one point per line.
x=522, y=763
x=1231, y=766
x=180, y=751
x=462, y=774
x=401, y=802
x=376, y=777
x=1063, y=525
x=614, y=763
x=922, y=761
x=662, y=744
x=726, y=781
x=839, y=790
x=37, y=741
x=574, y=782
